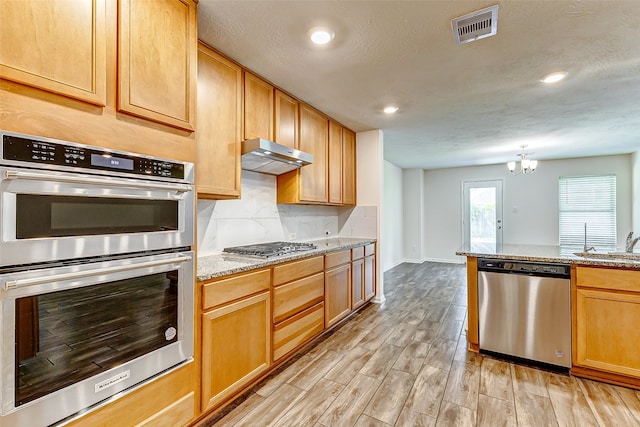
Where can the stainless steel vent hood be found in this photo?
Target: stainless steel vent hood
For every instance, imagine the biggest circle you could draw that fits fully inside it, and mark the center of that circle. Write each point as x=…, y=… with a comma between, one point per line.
x=261, y=155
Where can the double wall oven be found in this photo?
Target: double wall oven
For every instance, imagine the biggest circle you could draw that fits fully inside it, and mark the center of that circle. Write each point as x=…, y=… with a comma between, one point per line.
x=96, y=275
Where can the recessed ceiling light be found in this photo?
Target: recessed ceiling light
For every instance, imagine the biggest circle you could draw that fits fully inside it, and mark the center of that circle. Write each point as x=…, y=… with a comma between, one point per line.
x=554, y=77
x=321, y=35
x=390, y=109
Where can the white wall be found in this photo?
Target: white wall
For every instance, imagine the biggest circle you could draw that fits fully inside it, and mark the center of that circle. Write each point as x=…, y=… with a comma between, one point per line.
x=635, y=191
x=392, y=250
x=413, y=196
x=370, y=189
x=530, y=202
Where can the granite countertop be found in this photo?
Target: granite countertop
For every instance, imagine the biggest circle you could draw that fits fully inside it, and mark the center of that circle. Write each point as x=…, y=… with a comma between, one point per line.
x=219, y=265
x=540, y=253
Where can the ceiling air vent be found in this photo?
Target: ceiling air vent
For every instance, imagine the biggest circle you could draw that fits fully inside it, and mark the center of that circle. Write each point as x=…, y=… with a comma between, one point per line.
x=474, y=26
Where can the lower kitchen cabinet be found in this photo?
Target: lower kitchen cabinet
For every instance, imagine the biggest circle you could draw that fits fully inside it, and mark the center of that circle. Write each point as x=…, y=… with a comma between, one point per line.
x=606, y=319
x=337, y=287
x=236, y=338
x=357, y=283
x=297, y=330
x=369, y=272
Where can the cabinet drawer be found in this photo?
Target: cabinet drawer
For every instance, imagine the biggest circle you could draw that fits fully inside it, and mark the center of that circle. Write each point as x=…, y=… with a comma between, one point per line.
x=297, y=330
x=294, y=297
x=297, y=270
x=357, y=253
x=370, y=249
x=176, y=414
x=607, y=278
x=337, y=258
x=233, y=288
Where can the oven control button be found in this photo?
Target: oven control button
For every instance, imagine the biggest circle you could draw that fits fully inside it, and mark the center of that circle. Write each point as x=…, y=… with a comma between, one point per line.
x=170, y=333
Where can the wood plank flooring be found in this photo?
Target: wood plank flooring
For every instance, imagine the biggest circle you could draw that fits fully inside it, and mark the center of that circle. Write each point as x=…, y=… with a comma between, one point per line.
x=405, y=363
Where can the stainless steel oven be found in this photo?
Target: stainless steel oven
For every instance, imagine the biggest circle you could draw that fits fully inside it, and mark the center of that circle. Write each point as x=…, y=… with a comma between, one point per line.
x=64, y=201
x=96, y=275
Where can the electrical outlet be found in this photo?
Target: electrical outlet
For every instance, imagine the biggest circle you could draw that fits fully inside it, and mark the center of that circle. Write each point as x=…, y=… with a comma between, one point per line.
x=292, y=236
x=327, y=233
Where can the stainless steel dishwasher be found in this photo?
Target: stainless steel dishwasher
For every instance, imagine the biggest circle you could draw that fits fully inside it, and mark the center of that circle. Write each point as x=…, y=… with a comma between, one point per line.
x=524, y=310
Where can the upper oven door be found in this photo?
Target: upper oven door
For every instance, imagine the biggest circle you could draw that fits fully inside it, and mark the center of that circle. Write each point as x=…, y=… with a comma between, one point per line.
x=48, y=216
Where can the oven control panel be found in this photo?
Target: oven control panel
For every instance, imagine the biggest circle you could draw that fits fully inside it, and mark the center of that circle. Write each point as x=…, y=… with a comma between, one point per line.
x=30, y=150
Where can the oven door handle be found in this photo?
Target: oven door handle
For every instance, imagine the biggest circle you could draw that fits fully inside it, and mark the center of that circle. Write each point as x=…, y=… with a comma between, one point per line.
x=179, y=188
x=12, y=284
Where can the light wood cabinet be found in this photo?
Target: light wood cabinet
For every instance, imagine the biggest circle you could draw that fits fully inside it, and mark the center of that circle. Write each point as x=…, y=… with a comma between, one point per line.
x=606, y=319
x=236, y=347
x=348, y=167
x=335, y=162
x=258, y=108
x=179, y=413
x=219, y=126
x=68, y=58
x=357, y=283
x=298, y=304
x=157, y=54
x=341, y=165
x=369, y=272
x=337, y=287
x=286, y=120
x=309, y=183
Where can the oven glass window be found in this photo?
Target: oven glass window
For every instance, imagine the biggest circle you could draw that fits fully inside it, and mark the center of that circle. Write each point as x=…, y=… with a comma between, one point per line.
x=59, y=216
x=67, y=336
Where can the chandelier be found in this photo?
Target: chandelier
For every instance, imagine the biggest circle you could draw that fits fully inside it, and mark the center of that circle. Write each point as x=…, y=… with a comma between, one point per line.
x=527, y=166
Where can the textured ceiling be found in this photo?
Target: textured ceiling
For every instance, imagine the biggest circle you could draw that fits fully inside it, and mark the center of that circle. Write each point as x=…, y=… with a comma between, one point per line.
x=472, y=104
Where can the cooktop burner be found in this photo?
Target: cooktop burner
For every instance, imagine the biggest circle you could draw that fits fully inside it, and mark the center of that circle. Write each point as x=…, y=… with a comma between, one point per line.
x=272, y=249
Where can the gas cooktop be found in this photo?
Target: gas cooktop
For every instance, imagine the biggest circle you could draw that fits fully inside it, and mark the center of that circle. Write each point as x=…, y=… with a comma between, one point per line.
x=271, y=249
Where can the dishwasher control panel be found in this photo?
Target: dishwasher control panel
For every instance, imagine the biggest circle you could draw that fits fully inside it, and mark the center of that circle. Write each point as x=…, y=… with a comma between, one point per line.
x=524, y=267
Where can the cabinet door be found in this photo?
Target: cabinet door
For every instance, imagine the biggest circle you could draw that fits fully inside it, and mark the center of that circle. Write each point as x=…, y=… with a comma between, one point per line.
x=357, y=283
x=348, y=167
x=335, y=163
x=314, y=129
x=608, y=334
x=219, y=126
x=58, y=46
x=258, y=108
x=369, y=277
x=286, y=120
x=157, y=54
x=236, y=347
x=337, y=294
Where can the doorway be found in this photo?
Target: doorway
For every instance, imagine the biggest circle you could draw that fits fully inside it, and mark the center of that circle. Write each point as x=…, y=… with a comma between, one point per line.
x=482, y=215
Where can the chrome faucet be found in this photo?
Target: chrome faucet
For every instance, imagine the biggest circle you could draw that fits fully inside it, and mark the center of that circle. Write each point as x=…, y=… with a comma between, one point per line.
x=631, y=242
x=586, y=249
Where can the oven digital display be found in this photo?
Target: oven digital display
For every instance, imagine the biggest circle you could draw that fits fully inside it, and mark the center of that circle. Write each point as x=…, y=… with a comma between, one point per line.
x=111, y=162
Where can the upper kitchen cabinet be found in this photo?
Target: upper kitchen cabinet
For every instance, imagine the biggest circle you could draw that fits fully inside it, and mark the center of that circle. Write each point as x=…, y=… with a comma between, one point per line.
x=56, y=46
x=219, y=126
x=341, y=165
x=286, y=120
x=157, y=54
x=309, y=183
x=348, y=167
x=258, y=108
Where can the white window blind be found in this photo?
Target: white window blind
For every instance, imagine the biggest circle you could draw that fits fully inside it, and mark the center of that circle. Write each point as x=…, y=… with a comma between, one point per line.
x=590, y=200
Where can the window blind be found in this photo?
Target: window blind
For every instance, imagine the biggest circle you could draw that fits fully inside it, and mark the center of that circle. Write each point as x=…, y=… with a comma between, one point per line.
x=590, y=200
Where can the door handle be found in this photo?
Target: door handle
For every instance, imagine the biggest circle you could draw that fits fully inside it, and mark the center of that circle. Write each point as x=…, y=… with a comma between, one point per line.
x=81, y=179
x=12, y=284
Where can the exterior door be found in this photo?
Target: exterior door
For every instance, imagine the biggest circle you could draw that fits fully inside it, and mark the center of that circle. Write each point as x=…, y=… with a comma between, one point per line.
x=482, y=216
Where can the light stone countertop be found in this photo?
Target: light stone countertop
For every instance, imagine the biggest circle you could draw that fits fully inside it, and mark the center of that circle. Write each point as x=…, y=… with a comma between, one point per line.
x=219, y=265
x=557, y=254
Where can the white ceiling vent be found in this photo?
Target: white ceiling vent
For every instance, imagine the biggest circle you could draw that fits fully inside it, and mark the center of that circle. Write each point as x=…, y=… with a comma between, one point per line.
x=474, y=26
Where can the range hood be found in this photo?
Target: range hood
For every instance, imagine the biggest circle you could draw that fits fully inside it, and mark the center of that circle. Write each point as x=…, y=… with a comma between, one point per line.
x=261, y=155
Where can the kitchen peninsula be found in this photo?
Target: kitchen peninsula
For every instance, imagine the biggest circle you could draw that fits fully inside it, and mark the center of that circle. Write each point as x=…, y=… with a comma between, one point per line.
x=605, y=307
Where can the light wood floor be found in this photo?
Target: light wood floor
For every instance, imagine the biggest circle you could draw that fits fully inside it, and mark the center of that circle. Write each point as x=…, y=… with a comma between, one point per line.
x=404, y=363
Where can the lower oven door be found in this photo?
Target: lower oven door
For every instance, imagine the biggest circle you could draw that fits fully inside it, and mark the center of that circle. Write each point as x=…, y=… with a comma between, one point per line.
x=51, y=215
x=76, y=335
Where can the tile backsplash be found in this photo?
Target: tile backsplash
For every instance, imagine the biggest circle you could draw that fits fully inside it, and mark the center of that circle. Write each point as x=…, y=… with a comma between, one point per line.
x=256, y=218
